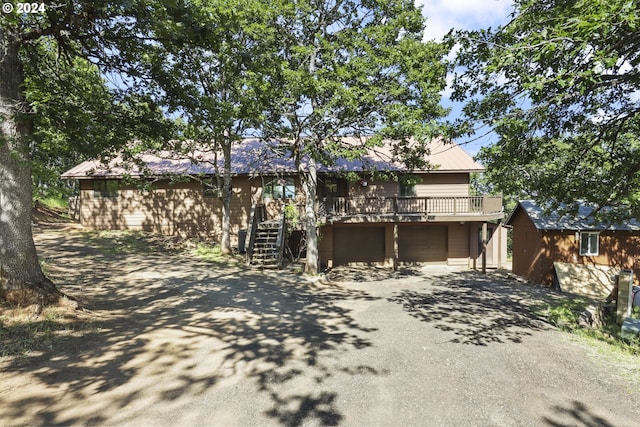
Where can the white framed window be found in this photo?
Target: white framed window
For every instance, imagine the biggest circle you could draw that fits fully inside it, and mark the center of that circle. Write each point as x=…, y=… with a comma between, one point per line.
x=280, y=188
x=589, y=243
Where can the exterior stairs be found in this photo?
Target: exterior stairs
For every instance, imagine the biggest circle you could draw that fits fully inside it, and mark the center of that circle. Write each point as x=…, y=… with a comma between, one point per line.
x=266, y=243
x=266, y=251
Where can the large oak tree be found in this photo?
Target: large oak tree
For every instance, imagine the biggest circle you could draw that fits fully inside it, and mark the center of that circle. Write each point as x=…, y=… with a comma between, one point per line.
x=47, y=64
x=357, y=68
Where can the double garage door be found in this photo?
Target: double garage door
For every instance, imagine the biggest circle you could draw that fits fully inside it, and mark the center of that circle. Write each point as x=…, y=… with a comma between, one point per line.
x=367, y=244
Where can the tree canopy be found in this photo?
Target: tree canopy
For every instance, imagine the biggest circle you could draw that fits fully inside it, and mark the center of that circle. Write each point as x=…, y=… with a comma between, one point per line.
x=214, y=74
x=560, y=85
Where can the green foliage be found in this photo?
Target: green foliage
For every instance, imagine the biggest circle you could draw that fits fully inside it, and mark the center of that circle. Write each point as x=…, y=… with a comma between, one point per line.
x=564, y=312
x=211, y=253
x=73, y=113
x=292, y=215
x=353, y=68
x=559, y=84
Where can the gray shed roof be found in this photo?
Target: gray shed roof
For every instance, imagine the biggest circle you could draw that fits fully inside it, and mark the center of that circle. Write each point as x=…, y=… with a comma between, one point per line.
x=583, y=220
x=252, y=157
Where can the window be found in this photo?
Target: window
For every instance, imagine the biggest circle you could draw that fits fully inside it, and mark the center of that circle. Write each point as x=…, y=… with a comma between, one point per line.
x=589, y=243
x=210, y=188
x=407, y=189
x=281, y=188
x=105, y=188
x=407, y=185
x=331, y=187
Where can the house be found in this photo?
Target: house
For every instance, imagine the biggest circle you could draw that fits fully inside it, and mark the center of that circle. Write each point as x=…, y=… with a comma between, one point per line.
x=428, y=216
x=542, y=238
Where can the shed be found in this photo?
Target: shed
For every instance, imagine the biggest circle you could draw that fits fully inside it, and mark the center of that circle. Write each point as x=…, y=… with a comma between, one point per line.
x=542, y=237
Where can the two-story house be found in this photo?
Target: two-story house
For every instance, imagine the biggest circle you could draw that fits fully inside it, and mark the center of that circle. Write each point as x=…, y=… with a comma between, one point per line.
x=427, y=216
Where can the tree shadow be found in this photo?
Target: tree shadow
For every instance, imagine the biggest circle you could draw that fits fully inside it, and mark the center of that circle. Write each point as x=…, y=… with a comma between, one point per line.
x=168, y=330
x=474, y=308
x=575, y=414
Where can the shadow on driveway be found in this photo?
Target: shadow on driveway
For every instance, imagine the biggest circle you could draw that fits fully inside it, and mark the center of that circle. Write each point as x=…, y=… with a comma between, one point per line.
x=168, y=329
x=475, y=308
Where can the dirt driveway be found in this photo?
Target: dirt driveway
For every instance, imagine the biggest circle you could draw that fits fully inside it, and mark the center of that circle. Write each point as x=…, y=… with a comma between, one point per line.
x=175, y=341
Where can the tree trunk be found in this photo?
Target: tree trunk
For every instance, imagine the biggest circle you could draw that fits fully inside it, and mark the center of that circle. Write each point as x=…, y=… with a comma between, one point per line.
x=21, y=278
x=309, y=180
x=227, y=191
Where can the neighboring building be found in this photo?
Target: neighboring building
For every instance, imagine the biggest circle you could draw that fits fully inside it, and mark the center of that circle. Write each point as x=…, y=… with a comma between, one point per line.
x=541, y=239
x=426, y=217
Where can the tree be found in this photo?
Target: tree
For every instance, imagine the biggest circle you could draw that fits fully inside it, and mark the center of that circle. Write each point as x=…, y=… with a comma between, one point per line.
x=357, y=68
x=559, y=84
x=73, y=30
x=214, y=73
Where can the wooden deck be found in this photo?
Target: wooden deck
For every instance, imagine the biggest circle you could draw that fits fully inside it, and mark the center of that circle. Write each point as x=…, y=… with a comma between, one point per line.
x=368, y=209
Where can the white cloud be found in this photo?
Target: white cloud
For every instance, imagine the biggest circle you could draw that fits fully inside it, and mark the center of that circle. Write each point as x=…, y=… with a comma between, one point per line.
x=442, y=15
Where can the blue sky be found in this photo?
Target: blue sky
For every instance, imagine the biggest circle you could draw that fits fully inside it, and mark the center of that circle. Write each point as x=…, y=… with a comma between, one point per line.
x=442, y=15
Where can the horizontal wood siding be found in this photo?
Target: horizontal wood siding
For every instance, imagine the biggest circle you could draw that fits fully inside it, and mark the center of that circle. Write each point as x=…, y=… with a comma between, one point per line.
x=374, y=189
x=169, y=209
x=422, y=243
x=432, y=185
x=443, y=185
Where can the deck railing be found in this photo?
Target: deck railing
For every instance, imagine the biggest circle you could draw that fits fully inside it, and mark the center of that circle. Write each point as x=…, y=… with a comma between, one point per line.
x=347, y=206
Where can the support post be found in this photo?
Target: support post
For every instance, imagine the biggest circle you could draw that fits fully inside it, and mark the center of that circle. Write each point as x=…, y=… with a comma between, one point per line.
x=625, y=296
x=500, y=231
x=395, y=246
x=484, y=247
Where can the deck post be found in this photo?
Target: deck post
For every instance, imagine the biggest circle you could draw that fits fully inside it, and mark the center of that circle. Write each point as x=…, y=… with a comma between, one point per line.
x=395, y=246
x=484, y=247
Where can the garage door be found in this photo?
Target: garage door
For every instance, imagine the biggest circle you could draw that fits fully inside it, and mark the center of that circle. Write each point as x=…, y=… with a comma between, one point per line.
x=362, y=244
x=422, y=244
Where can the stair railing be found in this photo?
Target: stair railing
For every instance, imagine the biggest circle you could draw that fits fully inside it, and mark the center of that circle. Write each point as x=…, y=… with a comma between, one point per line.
x=280, y=239
x=251, y=233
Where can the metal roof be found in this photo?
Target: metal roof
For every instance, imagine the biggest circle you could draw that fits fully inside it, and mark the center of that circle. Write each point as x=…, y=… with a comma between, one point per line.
x=252, y=157
x=583, y=220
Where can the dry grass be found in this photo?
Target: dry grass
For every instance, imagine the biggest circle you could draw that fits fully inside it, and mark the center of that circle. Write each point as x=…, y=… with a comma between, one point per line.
x=32, y=329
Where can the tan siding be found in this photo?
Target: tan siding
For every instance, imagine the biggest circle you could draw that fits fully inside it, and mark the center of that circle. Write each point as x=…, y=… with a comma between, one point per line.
x=374, y=189
x=432, y=185
x=443, y=185
x=171, y=209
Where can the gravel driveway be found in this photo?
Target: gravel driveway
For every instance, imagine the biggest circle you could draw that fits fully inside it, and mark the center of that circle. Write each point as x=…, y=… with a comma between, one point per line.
x=184, y=342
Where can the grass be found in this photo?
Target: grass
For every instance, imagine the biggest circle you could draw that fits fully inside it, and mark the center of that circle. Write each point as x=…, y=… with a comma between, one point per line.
x=603, y=342
x=565, y=314
x=55, y=203
x=24, y=334
x=208, y=252
x=213, y=253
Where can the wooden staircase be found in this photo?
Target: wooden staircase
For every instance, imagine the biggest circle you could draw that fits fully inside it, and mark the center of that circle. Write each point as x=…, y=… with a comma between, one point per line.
x=266, y=243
